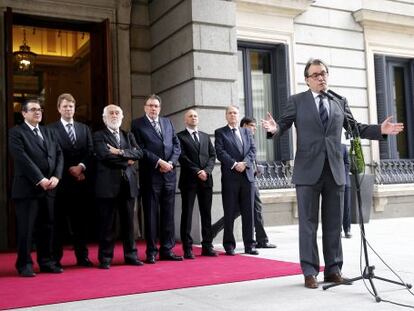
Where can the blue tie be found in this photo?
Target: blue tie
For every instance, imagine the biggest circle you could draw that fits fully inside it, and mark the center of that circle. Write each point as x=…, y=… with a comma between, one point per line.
x=323, y=113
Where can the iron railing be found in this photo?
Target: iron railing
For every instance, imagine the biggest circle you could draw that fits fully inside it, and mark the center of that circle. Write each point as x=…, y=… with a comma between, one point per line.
x=274, y=175
x=394, y=171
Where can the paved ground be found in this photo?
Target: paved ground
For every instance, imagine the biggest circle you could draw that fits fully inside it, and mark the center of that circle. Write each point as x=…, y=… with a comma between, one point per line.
x=392, y=239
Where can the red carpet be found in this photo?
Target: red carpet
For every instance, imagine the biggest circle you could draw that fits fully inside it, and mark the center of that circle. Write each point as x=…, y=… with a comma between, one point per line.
x=87, y=283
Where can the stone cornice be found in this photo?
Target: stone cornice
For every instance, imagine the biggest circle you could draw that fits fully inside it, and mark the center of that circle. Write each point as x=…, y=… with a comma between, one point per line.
x=385, y=21
x=275, y=7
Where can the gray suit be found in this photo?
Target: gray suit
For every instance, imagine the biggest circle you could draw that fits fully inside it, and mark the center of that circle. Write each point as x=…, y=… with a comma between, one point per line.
x=319, y=171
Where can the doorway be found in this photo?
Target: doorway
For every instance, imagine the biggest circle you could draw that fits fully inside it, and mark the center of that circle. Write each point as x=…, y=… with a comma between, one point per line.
x=69, y=57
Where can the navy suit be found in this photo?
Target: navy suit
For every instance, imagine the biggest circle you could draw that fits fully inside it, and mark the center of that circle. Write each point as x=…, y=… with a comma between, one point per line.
x=72, y=206
x=237, y=188
x=158, y=189
x=116, y=189
x=193, y=159
x=33, y=161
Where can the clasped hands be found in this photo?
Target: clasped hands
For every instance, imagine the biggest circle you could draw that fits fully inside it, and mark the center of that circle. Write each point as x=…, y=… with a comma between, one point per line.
x=164, y=166
x=49, y=183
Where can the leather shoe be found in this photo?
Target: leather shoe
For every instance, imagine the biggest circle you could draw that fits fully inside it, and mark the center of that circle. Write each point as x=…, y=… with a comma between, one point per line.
x=251, y=251
x=171, y=256
x=311, y=281
x=336, y=278
x=209, y=252
x=84, y=262
x=104, y=265
x=188, y=254
x=51, y=269
x=265, y=245
x=133, y=262
x=27, y=271
x=230, y=252
x=150, y=259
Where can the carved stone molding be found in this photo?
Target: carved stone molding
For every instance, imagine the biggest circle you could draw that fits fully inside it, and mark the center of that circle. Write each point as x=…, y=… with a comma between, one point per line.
x=385, y=21
x=275, y=7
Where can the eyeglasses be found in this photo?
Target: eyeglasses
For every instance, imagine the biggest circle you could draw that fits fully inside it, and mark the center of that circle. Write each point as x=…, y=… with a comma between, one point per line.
x=153, y=105
x=33, y=110
x=316, y=75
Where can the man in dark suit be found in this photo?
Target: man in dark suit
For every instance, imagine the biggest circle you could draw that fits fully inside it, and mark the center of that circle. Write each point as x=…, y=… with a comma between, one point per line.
x=319, y=167
x=262, y=240
x=38, y=165
x=197, y=163
x=236, y=151
x=161, y=147
x=116, y=186
x=72, y=204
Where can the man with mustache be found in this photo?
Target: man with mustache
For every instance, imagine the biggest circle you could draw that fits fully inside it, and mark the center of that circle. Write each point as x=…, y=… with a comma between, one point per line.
x=116, y=186
x=319, y=167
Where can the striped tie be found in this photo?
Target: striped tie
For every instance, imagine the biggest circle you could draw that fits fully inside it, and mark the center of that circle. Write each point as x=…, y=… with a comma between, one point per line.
x=323, y=113
x=157, y=128
x=71, y=133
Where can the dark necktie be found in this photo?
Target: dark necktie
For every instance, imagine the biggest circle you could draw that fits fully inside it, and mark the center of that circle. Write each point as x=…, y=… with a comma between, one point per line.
x=157, y=128
x=38, y=137
x=71, y=133
x=118, y=138
x=197, y=142
x=323, y=113
x=238, y=142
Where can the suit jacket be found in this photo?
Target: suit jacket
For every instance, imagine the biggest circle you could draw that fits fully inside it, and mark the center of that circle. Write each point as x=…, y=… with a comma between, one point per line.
x=80, y=152
x=193, y=160
x=314, y=144
x=112, y=170
x=33, y=160
x=154, y=147
x=228, y=153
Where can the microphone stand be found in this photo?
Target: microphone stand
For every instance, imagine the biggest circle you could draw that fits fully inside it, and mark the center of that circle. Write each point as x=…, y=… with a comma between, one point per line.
x=368, y=272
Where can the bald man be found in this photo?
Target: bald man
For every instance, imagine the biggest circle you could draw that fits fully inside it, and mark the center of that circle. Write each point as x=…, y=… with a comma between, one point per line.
x=197, y=163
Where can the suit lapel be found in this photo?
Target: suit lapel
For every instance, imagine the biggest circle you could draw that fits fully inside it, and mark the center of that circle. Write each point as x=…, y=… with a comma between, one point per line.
x=203, y=142
x=64, y=134
x=314, y=110
x=45, y=143
x=112, y=138
x=149, y=124
x=232, y=137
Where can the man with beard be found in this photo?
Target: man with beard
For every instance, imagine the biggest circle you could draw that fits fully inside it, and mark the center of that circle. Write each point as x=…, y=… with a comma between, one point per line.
x=116, y=186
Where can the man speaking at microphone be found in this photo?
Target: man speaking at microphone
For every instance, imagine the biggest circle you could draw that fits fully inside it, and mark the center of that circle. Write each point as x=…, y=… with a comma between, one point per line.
x=319, y=167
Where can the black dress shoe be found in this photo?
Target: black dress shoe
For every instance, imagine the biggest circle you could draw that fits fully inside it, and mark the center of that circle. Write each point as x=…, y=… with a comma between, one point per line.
x=104, y=265
x=230, y=252
x=171, y=256
x=209, y=252
x=133, y=262
x=251, y=251
x=51, y=269
x=265, y=245
x=188, y=254
x=150, y=259
x=84, y=262
x=27, y=272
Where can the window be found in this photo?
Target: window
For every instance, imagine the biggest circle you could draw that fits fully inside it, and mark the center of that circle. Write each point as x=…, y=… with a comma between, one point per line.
x=263, y=80
x=394, y=79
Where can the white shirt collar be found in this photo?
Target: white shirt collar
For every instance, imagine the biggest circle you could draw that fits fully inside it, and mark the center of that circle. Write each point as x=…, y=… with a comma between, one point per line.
x=151, y=120
x=112, y=130
x=191, y=131
x=31, y=126
x=65, y=123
